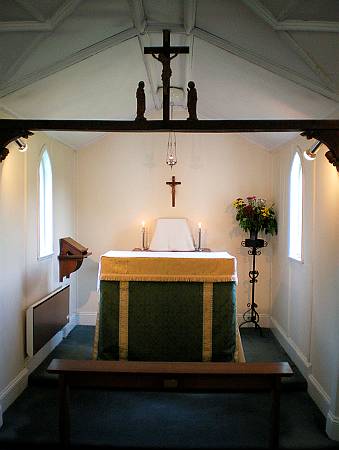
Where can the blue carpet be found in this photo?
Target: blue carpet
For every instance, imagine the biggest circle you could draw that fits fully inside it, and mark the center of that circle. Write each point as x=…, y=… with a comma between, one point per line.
x=162, y=420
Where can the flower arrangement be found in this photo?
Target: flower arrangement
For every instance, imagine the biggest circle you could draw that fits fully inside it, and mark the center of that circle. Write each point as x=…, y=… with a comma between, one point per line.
x=254, y=215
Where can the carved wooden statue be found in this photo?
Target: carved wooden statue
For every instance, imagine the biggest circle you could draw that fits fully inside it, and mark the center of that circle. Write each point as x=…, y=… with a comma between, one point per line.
x=141, y=101
x=192, y=99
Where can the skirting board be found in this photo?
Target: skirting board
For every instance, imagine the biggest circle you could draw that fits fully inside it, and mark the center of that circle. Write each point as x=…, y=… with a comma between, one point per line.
x=291, y=349
x=16, y=386
x=318, y=394
x=314, y=388
x=332, y=426
x=86, y=318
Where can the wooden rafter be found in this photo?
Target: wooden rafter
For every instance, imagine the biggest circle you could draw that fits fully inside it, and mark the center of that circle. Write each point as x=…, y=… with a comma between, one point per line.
x=291, y=25
x=265, y=63
x=70, y=60
x=323, y=88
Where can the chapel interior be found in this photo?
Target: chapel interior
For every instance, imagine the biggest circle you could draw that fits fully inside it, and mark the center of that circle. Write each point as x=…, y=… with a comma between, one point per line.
x=103, y=216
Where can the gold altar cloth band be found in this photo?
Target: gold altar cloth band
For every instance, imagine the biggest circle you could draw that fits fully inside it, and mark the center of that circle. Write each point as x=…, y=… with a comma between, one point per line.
x=168, y=269
x=123, y=320
x=207, y=322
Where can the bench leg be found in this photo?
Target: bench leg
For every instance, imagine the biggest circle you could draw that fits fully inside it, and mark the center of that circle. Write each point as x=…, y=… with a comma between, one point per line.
x=64, y=415
x=275, y=414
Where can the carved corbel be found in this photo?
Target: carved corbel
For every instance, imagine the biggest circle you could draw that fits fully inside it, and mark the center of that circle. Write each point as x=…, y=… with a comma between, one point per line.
x=8, y=136
x=331, y=139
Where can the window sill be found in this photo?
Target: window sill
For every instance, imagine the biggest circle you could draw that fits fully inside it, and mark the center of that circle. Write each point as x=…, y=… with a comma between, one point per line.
x=295, y=260
x=42, y=258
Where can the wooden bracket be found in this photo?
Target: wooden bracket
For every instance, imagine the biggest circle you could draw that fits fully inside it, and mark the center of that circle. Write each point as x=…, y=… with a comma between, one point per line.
x=71, y=256
x=331, y=139
x=8, y=136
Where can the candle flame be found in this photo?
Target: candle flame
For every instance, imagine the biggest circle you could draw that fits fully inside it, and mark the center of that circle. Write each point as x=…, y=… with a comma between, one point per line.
x=199, y=225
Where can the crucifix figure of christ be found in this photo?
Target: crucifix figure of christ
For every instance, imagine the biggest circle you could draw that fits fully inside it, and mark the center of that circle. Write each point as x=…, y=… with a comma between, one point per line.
x=173, y=184
x=164, y=56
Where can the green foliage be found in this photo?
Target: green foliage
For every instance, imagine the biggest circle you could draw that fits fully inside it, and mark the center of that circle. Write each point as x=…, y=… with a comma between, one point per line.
x=254, y=215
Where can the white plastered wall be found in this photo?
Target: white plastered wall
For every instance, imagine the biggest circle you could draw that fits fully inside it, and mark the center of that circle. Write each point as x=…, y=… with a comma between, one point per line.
x=23, y=278
x=122, y=181
x=305, y=297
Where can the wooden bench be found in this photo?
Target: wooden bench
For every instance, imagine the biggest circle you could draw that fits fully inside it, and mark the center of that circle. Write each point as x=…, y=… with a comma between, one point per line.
x=170, y=376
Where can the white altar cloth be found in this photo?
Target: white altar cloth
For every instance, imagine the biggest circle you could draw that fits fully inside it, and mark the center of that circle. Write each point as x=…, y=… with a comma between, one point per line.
x=184, y=254
x=172, y=234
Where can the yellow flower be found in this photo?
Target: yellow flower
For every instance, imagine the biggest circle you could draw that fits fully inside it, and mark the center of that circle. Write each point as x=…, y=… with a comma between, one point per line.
x=238, y=202
x=265, y=212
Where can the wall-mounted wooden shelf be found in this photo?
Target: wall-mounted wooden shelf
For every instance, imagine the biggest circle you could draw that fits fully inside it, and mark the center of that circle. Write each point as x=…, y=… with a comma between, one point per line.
x=71, y=256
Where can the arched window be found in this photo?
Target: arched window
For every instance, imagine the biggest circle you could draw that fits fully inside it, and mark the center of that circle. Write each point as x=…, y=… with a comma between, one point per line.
x=45, y=206
x=296, y=209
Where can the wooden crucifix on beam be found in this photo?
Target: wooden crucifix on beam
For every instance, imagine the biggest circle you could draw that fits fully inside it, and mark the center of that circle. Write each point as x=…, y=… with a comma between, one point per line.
x=173, y=184
x=164, y=56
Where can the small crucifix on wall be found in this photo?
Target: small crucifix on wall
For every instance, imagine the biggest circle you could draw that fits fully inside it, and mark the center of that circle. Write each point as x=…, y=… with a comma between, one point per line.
x=173, y=184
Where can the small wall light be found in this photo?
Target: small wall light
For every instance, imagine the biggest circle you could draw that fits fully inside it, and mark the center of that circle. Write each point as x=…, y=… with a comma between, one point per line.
x=22, y=145
x=311, y=153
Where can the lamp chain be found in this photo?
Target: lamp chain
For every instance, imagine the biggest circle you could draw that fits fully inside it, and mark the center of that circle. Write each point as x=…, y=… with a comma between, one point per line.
x=171, y=157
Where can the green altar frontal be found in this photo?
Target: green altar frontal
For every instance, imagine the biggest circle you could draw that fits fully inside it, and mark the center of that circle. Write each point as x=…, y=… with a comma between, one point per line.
x=166, y=308
x=165, y=322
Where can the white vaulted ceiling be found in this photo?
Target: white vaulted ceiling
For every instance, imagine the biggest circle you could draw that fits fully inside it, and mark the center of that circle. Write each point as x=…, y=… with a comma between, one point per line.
x=250, y=59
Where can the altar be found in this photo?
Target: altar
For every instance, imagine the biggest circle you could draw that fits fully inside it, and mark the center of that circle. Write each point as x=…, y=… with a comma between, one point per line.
x=167, y=306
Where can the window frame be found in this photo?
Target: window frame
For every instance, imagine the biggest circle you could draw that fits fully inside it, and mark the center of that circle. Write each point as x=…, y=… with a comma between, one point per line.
x=48, y=255
x=294, y=257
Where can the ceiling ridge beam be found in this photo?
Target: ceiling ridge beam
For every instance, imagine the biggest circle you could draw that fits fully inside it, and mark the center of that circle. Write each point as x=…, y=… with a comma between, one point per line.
x=138, y=15
x=160, y=26
x=70, y=60
x=259, y=9
x=307, y=59
x=265, y=63
x=289, y=5
x=290, y=25
x=65, y=10
x=190, y=12
x=28, y=7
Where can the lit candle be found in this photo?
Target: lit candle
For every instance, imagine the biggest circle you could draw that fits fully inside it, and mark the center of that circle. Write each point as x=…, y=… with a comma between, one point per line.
x=143, y=232
x=199, y=237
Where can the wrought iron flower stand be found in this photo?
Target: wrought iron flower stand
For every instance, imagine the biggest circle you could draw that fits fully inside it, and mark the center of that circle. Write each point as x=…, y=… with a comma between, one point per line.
x=251, y=315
